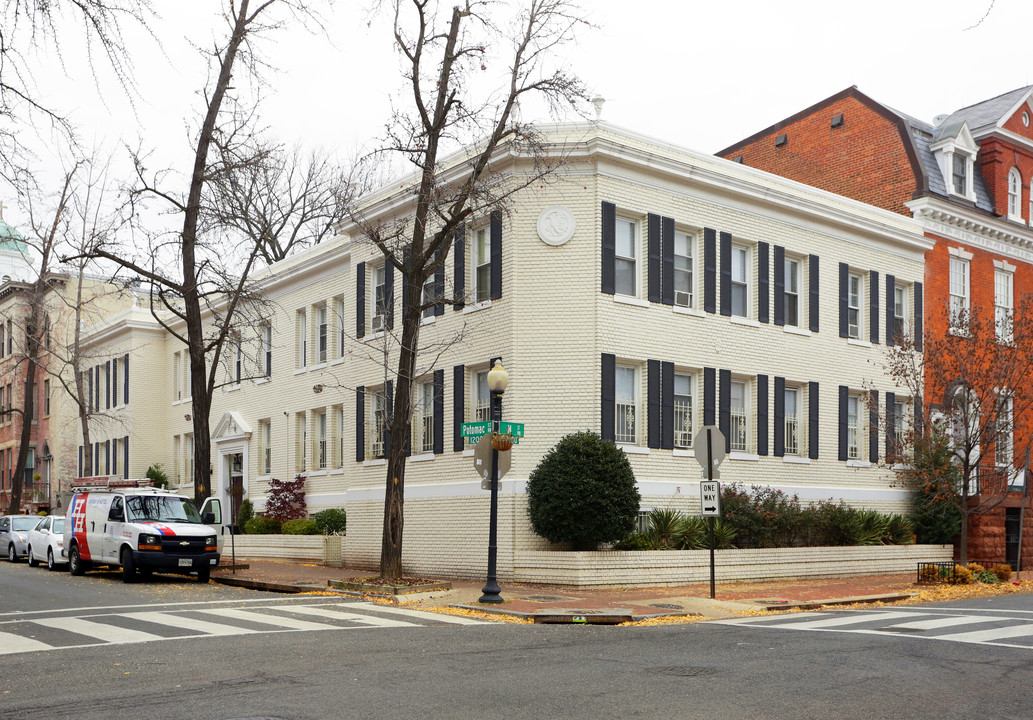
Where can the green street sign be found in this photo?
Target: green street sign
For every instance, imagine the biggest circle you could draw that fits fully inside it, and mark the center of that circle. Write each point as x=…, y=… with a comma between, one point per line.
x=475, y=429
x=512, y=428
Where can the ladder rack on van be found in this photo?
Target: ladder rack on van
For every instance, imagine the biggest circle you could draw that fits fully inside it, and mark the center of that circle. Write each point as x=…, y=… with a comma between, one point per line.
x=108, y=482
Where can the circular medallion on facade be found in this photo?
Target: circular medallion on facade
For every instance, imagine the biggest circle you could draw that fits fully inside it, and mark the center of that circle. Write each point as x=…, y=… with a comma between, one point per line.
x=556, y=225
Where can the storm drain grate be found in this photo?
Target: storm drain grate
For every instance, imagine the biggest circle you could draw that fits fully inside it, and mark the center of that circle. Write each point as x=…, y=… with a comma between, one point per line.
x=683, y=671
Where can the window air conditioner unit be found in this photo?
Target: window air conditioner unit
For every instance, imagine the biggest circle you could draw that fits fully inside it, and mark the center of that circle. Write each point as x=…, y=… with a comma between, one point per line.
x=377, y=323
x=682, y=298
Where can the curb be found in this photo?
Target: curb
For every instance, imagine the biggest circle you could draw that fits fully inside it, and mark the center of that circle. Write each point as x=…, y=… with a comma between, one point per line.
x=815, y=604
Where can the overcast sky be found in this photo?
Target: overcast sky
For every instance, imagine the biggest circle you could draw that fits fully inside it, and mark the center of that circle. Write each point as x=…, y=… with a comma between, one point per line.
x=700, y=74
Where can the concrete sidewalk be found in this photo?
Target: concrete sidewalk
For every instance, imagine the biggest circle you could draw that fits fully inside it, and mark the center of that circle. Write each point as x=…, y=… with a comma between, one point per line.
x=591, y=605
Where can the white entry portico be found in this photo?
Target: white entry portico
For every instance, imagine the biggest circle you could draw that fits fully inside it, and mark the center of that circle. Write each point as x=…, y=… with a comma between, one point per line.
x=232, y=438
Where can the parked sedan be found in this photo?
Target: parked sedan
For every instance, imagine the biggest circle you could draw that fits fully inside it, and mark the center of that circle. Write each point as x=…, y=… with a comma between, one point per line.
x=14, y=534
x=46, y=541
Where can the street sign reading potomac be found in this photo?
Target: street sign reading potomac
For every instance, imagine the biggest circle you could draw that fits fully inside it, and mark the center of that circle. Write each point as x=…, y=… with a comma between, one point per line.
x=710, y=498
x=474, y=430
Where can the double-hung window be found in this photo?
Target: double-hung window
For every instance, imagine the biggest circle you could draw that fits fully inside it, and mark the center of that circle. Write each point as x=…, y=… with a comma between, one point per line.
x=683, y=429
x=428, y=296
x=267, y=350
x=899, y=313
x=959, y=293
x=739, y=411
x=1005, y=432
x=1014, y=195
x=792, y=292
x=625, y=262
x=339, y=308
x=853, y=426
x=378, y=428
x=379, y=298
x=740, y=281
x=238, y=360
x=301, y=444
x=321, y=334
x=425, y=417
x=900, y=425
x=792, y=421
x=481, y=397
x=1003, y=305
x=855, y=300
x=322, y=450
x=626, y=405
x=959, y=174
x=482, y=264
x=683, y=294
x=265, y=457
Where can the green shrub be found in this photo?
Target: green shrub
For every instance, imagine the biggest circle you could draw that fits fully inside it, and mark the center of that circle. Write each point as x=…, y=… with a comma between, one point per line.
x=156, y=474
x=666, y=528
x=263, y=526
x=637, y=541
x=300, y=526
x=583, y=492
x=988, y=577
x=245, y=512
x=761, y=516
x=332, y=521
x=934, y=479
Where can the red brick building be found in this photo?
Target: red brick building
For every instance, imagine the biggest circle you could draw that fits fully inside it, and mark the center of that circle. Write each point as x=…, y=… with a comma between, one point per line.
x=967, y=178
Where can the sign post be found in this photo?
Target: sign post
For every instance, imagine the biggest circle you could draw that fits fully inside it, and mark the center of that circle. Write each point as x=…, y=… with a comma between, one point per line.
x=709, y=445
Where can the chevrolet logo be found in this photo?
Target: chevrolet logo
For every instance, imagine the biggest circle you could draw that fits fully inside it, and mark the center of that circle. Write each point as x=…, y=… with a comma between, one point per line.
x=184, y=543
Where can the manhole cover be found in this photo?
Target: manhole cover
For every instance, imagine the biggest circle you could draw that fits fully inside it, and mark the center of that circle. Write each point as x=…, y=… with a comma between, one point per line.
x=543, y=598
x=898, y=630
x=667, y=606
x=683, y=671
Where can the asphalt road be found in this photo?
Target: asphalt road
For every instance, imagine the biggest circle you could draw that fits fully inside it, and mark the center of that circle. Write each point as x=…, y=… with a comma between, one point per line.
x=428, y=670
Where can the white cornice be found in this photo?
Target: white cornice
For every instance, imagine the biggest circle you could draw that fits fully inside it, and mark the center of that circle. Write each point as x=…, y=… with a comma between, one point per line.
x=949, y=221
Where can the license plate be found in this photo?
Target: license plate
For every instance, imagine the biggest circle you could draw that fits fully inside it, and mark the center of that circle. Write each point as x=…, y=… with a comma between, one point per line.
x=185, y=562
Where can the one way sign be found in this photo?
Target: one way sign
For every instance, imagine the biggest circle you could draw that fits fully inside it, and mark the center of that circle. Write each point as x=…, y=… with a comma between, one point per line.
x=710, y=498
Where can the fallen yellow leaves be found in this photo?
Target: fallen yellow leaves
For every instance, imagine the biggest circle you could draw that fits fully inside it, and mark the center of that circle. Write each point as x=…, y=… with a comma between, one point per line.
x=664, y=620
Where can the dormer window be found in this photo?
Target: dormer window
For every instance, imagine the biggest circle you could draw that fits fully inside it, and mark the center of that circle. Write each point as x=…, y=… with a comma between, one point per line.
x=959, y=174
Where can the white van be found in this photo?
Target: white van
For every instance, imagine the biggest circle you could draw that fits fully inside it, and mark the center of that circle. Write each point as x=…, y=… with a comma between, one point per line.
x=140, y=529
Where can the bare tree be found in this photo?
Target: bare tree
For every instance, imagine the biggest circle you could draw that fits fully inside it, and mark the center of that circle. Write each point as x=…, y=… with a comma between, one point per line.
x=198, y=276
x=444, y=57
x=974, y=381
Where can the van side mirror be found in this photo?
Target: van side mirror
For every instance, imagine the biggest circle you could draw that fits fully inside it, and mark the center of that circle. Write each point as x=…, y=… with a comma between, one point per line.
x=209, y=518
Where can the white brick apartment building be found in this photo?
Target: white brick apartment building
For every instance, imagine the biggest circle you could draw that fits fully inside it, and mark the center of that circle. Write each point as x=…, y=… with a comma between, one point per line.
x=646, y=291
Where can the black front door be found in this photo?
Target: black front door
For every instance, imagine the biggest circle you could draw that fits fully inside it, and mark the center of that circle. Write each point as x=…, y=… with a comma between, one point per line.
x=1012, y=520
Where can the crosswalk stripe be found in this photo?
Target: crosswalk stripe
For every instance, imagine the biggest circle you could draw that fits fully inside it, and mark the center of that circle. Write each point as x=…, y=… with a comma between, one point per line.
x=943, y=622
x=11, y=643
x=99, y=631
x=277, y=620
x=324, y=611
x=840, y=620
x=993, y=634
x=458, y=620
x=187, y=623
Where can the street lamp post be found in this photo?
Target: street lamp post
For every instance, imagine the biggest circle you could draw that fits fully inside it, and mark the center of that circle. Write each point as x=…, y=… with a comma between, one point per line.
x=498, y=379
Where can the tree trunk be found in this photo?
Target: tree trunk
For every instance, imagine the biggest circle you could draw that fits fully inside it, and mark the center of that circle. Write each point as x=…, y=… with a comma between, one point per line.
x=31, y=352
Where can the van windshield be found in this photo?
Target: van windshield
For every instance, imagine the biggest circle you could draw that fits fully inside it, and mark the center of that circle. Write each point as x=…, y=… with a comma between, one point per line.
x=161, y=508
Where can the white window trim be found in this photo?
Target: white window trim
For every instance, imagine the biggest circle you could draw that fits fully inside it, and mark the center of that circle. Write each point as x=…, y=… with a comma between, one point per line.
x=636, y=244
x=860, y=304
x=1015, y=200
x=476, y=262
x=747, y=281
x=798, y=264
x=637, y=302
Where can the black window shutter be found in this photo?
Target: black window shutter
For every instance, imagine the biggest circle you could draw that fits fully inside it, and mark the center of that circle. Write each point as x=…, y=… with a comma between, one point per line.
x=107, y=385
x=125, y=379
x=609, y=246
x=709, y=385
x=609, y=391
x=389, y=397
x=96, y=387
x=666, y=405
x=890, y=304
x=762, y=414
x=780, y=417
x=764, y=281
x=458, y=406
x=459, y=261
x=726, y=274
x=653, y=403
x=812, y=421
x=891, y=422
x=724, y=405
x=125, y=456
x=439, y=287
x=107, y=457
x=844, y=397
x=360, y=424
x=96, y=458
x=653, y=251
x=360, y=300
x=873, y=427
x=873, y=302
x=667, y=254
x=389, y=293
x=709, y=270
x=844, y=282
x=439, y=412
x=918, y=316
x=815, y=294
x=780, y=285
x=496, y=255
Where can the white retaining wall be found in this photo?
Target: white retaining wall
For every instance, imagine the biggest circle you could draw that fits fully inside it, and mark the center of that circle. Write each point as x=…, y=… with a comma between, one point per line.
x=278, y=547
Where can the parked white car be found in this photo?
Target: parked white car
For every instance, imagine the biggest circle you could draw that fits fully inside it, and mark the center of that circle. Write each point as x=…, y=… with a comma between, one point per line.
x=46, y=542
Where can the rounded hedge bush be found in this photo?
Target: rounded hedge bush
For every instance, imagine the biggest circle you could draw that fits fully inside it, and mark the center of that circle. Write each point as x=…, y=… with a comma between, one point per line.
x=332, y=521
x=583, y=492
x=245, y=512
x=262, y=526
x=300, y=526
